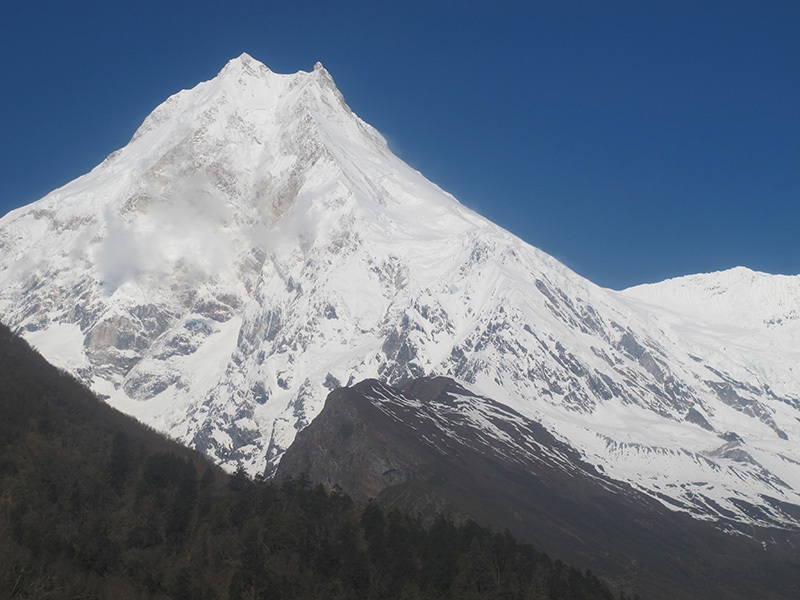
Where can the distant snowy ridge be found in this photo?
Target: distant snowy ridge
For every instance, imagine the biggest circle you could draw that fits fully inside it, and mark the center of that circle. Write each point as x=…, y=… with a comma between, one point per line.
x=256, y=245
x=747, y=319
x=737, y=296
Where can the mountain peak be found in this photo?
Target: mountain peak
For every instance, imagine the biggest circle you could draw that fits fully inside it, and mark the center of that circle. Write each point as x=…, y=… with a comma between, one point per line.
x=244, y=110
x=324, y=78
x=245, y=59
x=244, y=63
x=244, y=68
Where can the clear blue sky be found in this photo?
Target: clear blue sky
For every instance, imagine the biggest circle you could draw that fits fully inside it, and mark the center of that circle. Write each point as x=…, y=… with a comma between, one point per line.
x=632, y=140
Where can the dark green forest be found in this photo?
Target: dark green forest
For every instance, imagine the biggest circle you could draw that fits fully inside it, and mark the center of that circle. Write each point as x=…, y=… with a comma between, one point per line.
x=94, y=505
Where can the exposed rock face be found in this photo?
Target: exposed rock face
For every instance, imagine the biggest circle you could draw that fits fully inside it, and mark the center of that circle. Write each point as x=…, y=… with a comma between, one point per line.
x=434, y=447
x=371, y=436
x=338, y=451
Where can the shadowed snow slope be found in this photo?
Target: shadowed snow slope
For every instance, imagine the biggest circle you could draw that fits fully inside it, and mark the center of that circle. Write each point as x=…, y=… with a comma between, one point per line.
x=256, y=244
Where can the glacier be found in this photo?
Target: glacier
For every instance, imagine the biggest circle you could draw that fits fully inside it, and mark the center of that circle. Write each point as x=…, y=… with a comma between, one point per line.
x=256, y=245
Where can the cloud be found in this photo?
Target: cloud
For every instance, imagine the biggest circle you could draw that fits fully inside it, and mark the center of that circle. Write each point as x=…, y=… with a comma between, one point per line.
x=119, y=257
x=175, y=234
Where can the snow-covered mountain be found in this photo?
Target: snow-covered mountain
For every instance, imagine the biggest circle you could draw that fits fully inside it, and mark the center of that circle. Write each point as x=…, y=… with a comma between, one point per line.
x=256, y=245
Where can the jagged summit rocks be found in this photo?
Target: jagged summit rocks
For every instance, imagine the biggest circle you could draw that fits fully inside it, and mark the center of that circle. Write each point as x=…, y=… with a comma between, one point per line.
x=256, y=244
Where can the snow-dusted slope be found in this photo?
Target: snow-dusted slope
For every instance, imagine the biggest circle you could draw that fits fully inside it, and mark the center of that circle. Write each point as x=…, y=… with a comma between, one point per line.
x=256, y=244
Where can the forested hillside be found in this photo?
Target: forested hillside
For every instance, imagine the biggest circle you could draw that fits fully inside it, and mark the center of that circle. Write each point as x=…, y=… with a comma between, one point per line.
x=93, y=505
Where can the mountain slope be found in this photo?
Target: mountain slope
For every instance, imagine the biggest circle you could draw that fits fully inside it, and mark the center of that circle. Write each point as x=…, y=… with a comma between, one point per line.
x=434, y=446
x=256, y=245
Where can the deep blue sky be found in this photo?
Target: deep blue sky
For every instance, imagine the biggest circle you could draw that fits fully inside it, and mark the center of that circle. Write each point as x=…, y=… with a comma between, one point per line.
x=634, y=141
